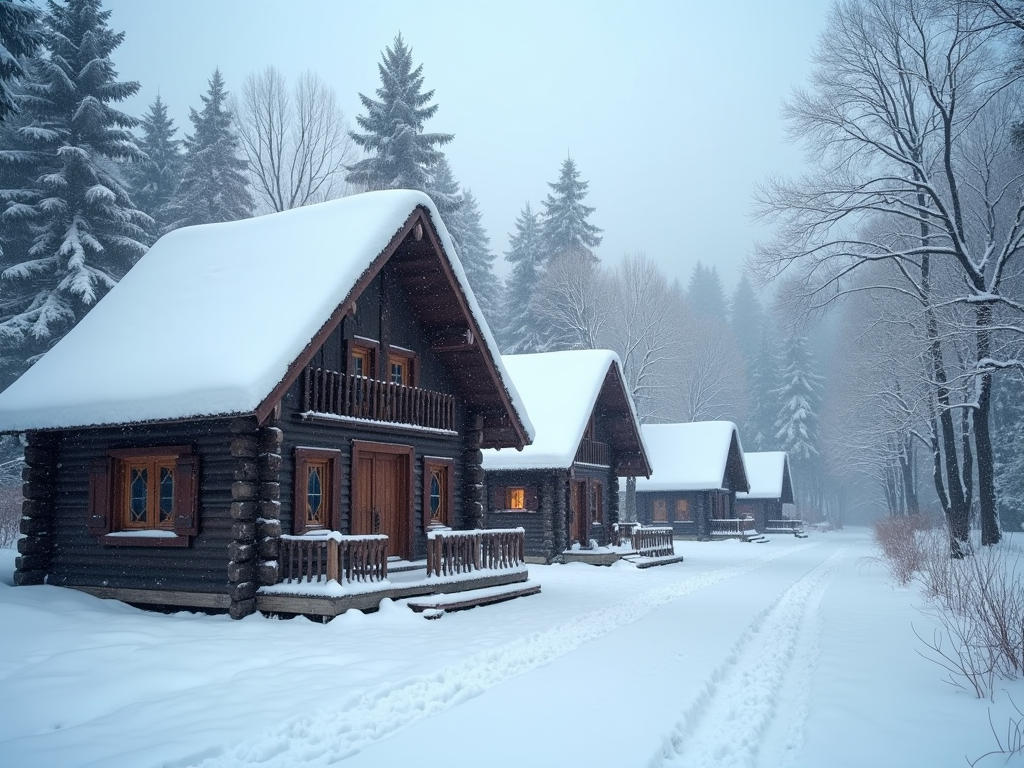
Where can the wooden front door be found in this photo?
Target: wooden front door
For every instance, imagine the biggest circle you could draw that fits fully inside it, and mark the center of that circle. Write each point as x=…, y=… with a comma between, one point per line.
x=578, y=513
x=381, y=502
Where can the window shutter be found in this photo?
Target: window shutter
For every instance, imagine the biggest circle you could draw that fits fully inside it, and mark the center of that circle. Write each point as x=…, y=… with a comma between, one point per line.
x=498, y=498
x=530, y=497
x=101, y=496
x=186, y=495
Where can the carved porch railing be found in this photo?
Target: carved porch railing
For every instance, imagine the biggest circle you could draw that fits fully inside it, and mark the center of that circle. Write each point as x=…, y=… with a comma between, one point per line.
x=622, y=533
x=654, y=541
x=732, y=526
x=593, y=452
x=342, y=394
x=454, y=552
x=785, y=526
x=345, y=559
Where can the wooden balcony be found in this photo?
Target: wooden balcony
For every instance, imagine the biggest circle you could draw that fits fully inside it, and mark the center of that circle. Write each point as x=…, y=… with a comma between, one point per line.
x=457, y=552
x=359, y=397
x=344, y=559
x=593, y=452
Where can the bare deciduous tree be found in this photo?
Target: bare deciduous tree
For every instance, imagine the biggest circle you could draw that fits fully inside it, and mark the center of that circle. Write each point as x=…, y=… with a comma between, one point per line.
x=570, y=302
x=296, y=140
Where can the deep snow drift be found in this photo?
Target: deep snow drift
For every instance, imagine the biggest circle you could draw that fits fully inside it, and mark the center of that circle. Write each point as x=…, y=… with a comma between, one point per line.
x=787, y=653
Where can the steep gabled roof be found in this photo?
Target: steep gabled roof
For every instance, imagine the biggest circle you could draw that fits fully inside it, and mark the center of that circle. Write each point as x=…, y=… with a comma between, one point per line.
x=561, y=390
x=220, y=319
x=768, y=472
x=695, y=456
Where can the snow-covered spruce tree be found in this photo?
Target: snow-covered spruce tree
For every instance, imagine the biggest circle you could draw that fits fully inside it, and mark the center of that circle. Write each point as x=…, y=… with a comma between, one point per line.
x=213, y=183
x=565, y=227
x=519, y=331
x=477, y=258
x=401, y=155
x=746, y=316
x=796, y=428
x=705, y=293
x=444, y=190
x=70, y=229
x=155, y=179
x=1008, y=437
x=759, y=432
x=20, y=36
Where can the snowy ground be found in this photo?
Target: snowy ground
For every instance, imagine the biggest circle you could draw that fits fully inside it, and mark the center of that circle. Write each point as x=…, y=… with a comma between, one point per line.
x=795, y=652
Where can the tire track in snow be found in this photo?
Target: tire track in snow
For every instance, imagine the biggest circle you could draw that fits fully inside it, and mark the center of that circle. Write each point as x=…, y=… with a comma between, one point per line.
x=328, y=736
x=727, y=724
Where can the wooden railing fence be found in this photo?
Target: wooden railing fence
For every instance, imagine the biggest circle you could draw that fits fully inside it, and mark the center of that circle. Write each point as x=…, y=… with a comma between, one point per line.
x=454, y=552
x=732, y=526
x=785, y=526
x=622, y=533
x=593, y=452
x=343, y=394
x=345, y=559
x=653, y=541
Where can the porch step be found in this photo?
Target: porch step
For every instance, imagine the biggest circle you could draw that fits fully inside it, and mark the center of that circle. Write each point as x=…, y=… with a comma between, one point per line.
x=460, y=601
x=761, y=539
x=651, y=562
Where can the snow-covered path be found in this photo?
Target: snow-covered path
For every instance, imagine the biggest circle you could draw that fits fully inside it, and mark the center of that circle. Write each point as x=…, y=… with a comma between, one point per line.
x=742, y=655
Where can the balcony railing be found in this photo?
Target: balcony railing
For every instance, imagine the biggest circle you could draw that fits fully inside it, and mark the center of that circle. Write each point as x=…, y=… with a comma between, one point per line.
x=732, y=526
x=342, y=394
x=454, y=552
x=593, y=452
x=345, y=559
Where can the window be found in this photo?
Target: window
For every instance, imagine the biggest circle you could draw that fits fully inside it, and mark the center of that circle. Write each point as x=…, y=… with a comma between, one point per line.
x=514, y=498
x=437, y=496
x=682, y=510
x=660, y=511
x=317, y=495
x=361, y=360
x=145, y=497
x=400, y=368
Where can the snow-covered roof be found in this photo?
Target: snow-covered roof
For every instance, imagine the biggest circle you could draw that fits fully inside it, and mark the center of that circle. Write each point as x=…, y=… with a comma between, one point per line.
x=768, y=473
x=560, y=391
x=209, y=320
x=694, y=456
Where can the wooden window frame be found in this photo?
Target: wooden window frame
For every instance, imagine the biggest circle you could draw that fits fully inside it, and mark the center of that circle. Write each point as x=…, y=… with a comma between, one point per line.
x=372, y=350
x=595, y=502
x=108, y=515
x=654, y=510
x=501, y=498
x=447, y=466
x=330, y=458
x=411, y=361
x=686, y=511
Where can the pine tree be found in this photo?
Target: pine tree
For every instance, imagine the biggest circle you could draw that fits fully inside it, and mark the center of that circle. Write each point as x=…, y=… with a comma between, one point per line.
x=565, y=225
x=213, y=183
x=477, y=259
x=402, y=156
x=155, y=179
x=705, y=294
x=760, y=432
x=796, y=429
x=20, y=37
x=746, y=316
x=443, y=189
x=1008, y=437
x=519, y=332
x=70, y=229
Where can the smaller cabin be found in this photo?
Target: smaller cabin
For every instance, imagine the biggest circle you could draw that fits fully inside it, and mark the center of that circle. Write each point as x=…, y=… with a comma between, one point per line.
x=563, y=489
x=771, y=487
x=696, y=470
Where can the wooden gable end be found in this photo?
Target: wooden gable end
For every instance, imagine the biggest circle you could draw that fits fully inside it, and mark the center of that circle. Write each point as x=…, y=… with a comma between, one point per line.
x=425, y=278
x=616, y=425
x=787, y=484
x=735, y=478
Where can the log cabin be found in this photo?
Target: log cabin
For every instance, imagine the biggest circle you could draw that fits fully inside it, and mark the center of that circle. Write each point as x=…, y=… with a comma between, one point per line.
x=771, y=487
x=696, y=470
x=563, y=488
x=266, y=414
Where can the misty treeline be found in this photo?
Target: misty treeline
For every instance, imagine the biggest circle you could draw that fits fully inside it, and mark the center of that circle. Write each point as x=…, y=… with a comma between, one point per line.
x=907, y=231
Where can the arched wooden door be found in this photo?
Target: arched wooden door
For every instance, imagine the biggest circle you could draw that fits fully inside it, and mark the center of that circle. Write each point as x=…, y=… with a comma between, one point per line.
x=382, y=496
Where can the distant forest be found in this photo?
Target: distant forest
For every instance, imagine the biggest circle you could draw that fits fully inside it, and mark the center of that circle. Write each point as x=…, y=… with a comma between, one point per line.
x=876, y=338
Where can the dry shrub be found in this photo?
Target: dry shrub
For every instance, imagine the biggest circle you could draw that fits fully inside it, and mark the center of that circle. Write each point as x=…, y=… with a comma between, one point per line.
x=898, y=540
x=10, y=514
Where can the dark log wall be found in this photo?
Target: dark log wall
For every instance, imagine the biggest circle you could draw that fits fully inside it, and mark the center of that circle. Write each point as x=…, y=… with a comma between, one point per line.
x=539, y=524
x=78, y=559
x=697, y=527
x=382, y=315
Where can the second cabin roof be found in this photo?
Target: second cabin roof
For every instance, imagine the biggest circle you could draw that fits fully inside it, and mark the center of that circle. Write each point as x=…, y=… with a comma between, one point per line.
x=694, y=456
x=561, y=390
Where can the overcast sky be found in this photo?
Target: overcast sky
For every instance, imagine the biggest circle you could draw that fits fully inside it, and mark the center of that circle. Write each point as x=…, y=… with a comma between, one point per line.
x=670, y=109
